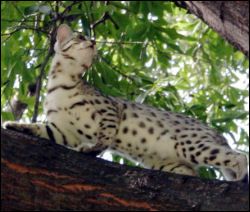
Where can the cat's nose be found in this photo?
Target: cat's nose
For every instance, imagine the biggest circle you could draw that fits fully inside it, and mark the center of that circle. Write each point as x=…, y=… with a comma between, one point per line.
x=92, y=43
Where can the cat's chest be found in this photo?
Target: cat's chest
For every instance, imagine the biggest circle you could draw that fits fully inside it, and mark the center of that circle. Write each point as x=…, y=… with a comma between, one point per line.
x=77, y=118
x=61, y=97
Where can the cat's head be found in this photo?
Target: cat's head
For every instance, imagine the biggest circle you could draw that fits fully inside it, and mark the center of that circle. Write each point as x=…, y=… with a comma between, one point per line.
x=74, y=48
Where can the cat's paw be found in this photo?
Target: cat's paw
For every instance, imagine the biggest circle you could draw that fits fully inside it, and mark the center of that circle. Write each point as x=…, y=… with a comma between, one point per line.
x=9, y=124
x=19, y=127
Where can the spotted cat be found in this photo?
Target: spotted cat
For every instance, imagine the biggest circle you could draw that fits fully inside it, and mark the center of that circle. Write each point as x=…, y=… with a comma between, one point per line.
x=81, y=118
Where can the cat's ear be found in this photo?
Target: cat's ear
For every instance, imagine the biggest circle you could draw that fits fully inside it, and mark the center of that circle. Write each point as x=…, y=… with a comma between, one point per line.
x=64, y=34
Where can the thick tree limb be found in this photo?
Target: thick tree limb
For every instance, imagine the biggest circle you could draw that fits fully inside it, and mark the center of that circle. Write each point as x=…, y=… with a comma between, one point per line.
x=40, y=175
x=229, y=18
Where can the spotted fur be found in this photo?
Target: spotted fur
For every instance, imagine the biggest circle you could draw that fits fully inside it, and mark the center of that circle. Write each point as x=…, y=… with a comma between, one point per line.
x=82, y=119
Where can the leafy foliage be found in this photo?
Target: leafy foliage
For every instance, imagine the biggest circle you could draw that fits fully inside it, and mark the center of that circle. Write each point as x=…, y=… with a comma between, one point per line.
x=150, y=52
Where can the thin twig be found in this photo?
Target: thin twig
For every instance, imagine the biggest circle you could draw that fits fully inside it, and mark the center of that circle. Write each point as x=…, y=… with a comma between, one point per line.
x=117, y=70
x=101, y=20
x=42, y=72
x=25, y=27
x=16, y=20
x=121, y=42
x=105, y=17
x=69, y=7
x=21, y=28
x=39, y=84
x=92, y=20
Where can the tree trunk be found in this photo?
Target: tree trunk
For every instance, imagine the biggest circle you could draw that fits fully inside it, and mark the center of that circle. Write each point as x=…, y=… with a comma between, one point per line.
x=229, y=18
x=40, y=175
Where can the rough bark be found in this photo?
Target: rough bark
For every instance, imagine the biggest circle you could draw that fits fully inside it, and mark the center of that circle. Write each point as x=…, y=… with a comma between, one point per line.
x=40, y=175
x=229, y=18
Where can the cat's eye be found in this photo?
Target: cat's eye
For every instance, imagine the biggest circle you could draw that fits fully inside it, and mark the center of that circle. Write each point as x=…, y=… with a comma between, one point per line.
x=81, y=37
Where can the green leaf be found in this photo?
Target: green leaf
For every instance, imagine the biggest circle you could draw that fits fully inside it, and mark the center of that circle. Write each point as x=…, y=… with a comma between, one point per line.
x=7, y=116
x=207, y=173
x=86, y=26
x=31, y=10
x=214, y=76
x=231, y=115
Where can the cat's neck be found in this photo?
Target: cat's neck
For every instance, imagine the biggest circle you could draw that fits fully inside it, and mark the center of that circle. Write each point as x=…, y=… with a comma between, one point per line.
x=64, y=72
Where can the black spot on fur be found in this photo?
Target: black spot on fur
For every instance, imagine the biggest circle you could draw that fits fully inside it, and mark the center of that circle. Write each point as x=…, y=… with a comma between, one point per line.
x=214, y=151
x=153, y=114
x=97, y=101
x=50, y=134
x=205, y=148
x=151, y=130
x=111, y=126
x=211, y=158
x=125, y=130
x=192, y=157
x=134, y=132
x=184, y=152
x=159, y=123
x=124, y=117
x=79, y=131
x=87, y=126
x=161, y=167
x=200, y=145
x=176, y=122
x=173, y=137
x=176, y=145
x=93, y=116
x=191, y=149
x=142, y=124
x=226, y=162
x=164, y=132
x=102, y=111
x=135, y=115
x=177, y=130
x=197, y=153
x=118, y=141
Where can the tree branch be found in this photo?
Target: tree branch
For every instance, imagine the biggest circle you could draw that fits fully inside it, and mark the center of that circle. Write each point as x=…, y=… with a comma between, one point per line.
x=105, y=17
x=229, y=18
x=40, y=175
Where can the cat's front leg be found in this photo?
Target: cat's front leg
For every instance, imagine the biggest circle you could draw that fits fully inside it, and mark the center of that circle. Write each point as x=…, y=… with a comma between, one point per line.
x=50, y=131
x=35, y=129
x=105, y=136
x=108, y=128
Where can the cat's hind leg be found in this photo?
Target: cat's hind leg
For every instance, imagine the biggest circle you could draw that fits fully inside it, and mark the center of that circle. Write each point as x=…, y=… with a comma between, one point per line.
x=179, y=168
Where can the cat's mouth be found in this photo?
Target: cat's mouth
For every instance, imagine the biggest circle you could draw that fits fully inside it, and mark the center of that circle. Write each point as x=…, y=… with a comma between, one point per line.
x=92, y=44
